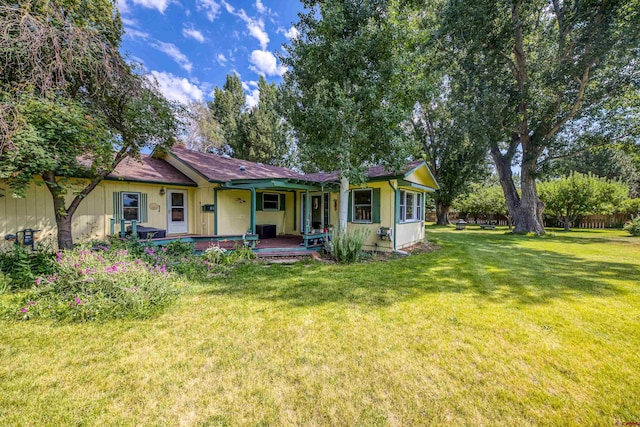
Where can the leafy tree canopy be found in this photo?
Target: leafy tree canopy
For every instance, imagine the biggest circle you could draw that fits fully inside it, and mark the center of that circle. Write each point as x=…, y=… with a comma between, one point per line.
x=569, y=197
x=534, y=68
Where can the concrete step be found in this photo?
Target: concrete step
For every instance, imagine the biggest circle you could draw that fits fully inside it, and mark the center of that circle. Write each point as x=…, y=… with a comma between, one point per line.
x=285, y=254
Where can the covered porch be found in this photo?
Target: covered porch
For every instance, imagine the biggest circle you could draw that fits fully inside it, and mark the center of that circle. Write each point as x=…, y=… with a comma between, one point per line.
x=279, y=209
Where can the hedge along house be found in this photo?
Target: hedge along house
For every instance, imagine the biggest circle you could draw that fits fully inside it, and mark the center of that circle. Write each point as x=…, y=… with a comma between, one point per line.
x=205, y=197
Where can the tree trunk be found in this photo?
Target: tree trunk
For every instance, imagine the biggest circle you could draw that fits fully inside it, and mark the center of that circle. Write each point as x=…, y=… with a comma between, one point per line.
x=567, y=224
x=529, y=219
x=343, y=212
x=65, y=238
x=442, y=213
x=63, y=216
x=526, y=209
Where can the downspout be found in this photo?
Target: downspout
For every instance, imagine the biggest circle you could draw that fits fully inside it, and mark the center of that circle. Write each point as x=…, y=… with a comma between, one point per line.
x=216, y=210
x=396, y=214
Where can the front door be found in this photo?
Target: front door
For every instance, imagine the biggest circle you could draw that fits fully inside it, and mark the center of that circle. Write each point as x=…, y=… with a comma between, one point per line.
x=319, y=211
x=177, y=212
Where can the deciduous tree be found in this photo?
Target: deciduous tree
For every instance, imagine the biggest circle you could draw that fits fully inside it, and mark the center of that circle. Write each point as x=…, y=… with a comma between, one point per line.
x=534, y=67
x=81, y=111
x=569, y=197
x=342, y=82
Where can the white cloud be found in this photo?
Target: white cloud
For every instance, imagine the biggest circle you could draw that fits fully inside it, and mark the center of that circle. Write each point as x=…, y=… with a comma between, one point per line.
x=176, y=88
x=255, y=26
x=211, y=8
x=260, y=7
x=159, y=5
x=192, y=33
x=265, y=63
x=292, y=33
x=222, y=60
x=173, y=51
x=123, y=6
x=135, y=34
x=253, y=98
x=129, y=22
x=247, y=85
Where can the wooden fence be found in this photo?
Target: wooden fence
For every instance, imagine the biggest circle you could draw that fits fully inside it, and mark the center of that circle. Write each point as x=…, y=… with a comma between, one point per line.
x=587, y=221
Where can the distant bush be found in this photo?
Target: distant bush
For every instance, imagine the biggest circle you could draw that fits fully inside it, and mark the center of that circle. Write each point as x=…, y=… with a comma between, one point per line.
x=633, y=226
x=347, y=245
x=99, y=285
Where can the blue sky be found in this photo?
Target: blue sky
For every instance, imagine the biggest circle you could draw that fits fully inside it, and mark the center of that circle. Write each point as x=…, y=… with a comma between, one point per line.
x=189, y=46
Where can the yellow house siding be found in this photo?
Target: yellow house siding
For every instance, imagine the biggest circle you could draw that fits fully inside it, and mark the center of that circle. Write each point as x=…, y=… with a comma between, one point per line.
x=91, y=220
x=204, y=221
x=234, y=210
x=423, y=177
x=386, y=217
x=409, y=233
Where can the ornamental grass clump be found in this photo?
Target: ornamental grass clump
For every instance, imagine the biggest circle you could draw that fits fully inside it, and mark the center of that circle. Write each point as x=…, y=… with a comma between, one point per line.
x=347, y=245
x=100, y=285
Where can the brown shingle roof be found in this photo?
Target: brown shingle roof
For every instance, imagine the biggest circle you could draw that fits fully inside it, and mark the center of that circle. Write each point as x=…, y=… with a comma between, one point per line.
x=149, y=169
x=372, y=172
x=225, y=169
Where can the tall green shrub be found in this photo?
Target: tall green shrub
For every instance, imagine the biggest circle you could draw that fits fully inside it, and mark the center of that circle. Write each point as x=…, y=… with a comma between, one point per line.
x=633, y=226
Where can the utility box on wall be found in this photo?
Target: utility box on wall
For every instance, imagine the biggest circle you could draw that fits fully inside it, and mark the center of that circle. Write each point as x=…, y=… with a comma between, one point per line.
x=208, y=208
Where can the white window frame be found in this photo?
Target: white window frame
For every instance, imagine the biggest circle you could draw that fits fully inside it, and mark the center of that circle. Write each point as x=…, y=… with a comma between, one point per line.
x=418, y=206
x=277, y=208
x=122, y=196
x=353, y=206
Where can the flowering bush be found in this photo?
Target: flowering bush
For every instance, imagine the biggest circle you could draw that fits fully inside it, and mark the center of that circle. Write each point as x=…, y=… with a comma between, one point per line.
x=215, y=254
x=100, y=285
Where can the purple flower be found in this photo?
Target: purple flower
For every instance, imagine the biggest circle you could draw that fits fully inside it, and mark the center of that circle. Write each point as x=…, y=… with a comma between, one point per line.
x=38, y=281
x=24, y=309
x=31, y=303
x=149, y=250
x=78, y=301
x=71, y=304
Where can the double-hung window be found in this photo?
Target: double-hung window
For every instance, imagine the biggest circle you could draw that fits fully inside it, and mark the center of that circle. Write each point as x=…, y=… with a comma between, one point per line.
x=270, y=201
x=362, y=207
x=411, y=206
x=131, y=206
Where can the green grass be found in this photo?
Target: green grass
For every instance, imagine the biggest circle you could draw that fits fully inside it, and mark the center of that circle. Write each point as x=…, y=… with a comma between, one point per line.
x=492, y=329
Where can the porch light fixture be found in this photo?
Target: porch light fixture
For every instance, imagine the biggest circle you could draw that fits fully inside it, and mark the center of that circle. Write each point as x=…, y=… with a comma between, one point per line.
x=335, y=204
x=162, y=191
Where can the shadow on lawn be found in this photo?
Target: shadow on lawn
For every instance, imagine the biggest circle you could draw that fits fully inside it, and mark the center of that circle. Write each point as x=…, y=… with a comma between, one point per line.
x=495, y=269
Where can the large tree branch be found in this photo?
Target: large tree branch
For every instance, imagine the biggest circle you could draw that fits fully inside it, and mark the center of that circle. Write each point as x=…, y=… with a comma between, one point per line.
x=75, y=203
x=574, y=108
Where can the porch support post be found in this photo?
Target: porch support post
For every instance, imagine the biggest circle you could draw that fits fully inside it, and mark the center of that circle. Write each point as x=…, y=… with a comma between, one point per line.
x=215, y=211
x=253, y=211
x=295, y=210
x=307, y=213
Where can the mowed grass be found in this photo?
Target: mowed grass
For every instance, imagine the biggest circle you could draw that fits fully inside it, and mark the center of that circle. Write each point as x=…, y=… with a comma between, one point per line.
x=492, y=329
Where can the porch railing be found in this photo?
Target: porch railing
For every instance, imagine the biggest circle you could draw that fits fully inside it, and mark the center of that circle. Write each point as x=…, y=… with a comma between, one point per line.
x=315, y=239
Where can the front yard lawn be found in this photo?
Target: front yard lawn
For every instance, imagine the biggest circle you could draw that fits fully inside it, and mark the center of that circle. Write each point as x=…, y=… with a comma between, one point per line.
x=492, y=329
